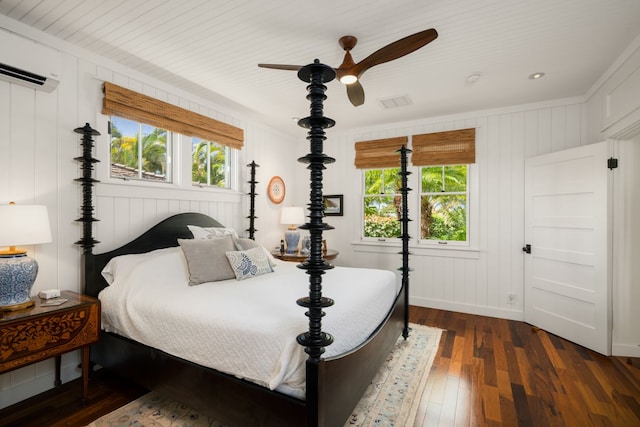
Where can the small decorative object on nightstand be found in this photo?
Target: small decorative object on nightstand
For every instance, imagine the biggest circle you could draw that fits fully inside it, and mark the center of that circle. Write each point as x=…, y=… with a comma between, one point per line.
x=20, y=225
x=298, y=256
x=305, y=246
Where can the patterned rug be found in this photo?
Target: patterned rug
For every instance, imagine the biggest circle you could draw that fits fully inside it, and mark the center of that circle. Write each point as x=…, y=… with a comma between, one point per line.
x=392, y=399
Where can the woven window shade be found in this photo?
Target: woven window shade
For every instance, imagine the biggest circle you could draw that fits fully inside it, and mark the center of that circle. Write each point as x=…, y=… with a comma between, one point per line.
x=456, y=147
x=379, y=153
x=131, y=105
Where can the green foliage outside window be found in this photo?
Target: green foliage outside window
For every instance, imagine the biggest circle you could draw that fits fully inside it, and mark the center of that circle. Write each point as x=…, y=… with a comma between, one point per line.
x=443, y=210
x=382, y=203
x=208, y=163
x=138, y=151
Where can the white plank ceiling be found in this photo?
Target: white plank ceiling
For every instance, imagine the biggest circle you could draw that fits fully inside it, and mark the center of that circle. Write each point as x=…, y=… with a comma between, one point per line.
x=212, y=48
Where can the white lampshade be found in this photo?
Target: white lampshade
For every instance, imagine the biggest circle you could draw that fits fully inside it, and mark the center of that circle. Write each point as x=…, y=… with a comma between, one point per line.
x=20, y=225
x=24, y=225
x=292, y=215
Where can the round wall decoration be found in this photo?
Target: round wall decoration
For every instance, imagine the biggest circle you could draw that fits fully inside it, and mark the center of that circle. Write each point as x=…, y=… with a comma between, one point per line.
x=276, y=189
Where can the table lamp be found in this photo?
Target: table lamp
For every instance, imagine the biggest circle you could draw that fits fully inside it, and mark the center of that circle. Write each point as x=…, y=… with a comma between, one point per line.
x=20, y=225
x=292, y=216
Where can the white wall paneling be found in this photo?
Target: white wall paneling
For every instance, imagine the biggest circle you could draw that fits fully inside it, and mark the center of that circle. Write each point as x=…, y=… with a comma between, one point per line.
x=626, y=251
x=613, y=111
x=480, y=280
x=37, y=166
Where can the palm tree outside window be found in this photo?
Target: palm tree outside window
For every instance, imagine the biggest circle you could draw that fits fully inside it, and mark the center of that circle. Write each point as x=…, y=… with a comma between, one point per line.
x=382, y=203
x=139, y=151
x=209, y=163
x=444, y=210
x=443, y=203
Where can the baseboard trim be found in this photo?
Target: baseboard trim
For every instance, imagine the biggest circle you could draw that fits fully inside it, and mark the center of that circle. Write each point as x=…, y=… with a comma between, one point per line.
x=468, y=308
x=625, y=350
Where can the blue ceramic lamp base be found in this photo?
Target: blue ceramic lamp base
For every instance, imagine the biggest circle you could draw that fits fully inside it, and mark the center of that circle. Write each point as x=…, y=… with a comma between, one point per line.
x=292, y=237
x=17, y=274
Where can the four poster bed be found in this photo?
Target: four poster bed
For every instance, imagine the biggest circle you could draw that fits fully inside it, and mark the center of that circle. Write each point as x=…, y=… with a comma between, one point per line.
x=304, y=376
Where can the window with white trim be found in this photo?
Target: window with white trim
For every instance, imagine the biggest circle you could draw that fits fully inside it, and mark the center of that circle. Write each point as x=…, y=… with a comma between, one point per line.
x=210, y=165
x=443, y=161
x=142, y=129
x=382, y=203
x=444, y=199
x=139, y=151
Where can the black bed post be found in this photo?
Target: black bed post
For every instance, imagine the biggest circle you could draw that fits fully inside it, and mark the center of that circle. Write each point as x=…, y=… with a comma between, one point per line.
x=404, y=190
x=87, y=181
x=315, y=340
x=252, y=199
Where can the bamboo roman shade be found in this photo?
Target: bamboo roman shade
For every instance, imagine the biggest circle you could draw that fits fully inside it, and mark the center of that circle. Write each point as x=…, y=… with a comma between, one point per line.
x=135, y=106
x=456, y=147
x=379, y=153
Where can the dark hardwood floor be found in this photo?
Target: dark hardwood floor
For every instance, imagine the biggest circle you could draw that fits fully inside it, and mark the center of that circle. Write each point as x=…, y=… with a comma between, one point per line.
x=62, y=406
x=496, y=372
x=487, y=372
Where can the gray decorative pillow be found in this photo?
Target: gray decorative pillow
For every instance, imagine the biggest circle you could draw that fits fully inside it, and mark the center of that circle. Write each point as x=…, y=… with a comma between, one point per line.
x=245, y=244
x=207, y=260
x=250, y=263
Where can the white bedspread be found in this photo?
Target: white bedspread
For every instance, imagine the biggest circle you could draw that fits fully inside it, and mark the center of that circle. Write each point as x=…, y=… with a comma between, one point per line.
x=245, y=328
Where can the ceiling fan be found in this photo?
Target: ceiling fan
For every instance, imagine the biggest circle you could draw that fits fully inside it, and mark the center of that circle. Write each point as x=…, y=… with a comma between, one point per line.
x=350, y=72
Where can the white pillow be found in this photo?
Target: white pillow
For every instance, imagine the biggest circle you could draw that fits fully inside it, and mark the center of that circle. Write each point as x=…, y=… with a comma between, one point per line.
x=209, y=232
x=122, y=265
x=250, y=263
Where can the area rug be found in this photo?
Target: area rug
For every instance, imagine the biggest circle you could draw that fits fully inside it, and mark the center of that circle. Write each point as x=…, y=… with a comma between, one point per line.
x=392, y=399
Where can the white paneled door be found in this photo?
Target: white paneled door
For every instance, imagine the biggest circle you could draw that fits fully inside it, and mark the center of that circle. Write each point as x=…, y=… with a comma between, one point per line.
x=568, y=230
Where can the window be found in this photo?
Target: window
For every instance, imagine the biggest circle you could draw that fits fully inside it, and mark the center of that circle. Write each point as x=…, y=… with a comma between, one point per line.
x=443, y=163
x=443, y=203
x=382, y=203
x=139, y=151
x=146, y=132
x=209, y=163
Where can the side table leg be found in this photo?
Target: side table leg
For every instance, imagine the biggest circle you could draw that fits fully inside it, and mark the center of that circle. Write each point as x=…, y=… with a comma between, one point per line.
x=57, y=382
x=85, y=375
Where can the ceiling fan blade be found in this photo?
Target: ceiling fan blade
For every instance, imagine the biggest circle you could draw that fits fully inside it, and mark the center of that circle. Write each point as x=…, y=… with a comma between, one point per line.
x=281, y=67
x=396, y=50
x=355, y=92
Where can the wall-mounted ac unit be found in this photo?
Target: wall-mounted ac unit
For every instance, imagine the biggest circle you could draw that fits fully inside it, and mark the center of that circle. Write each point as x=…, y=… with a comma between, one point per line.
x=28, y=63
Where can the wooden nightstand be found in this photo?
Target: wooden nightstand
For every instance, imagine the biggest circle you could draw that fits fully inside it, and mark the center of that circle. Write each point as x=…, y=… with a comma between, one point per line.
x=298, y=257
x=38, y=333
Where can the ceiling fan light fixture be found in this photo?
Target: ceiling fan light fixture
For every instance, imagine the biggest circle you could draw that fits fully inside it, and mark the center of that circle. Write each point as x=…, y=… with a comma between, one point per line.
x=348, y=79
x=349, y=72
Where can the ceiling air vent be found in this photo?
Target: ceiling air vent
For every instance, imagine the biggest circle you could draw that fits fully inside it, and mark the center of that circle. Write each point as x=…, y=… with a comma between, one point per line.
x=395, y=102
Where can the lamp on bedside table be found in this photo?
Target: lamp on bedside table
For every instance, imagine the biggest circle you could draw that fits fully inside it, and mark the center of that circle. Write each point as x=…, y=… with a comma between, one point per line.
x=292, y=216
x=20, y=225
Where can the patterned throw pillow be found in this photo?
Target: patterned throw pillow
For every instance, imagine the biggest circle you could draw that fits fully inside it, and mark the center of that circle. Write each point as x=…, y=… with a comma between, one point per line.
x=249, y=263
x=209, y=232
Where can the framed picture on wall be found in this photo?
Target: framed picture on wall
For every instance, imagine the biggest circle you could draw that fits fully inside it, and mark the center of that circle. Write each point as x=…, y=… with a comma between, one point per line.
x=276, y=190
x=333, y=205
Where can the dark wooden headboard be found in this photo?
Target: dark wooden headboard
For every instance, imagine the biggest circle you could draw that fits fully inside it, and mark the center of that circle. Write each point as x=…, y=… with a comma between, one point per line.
x=165, y=234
